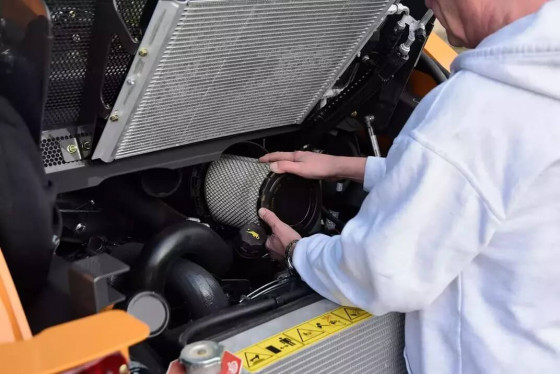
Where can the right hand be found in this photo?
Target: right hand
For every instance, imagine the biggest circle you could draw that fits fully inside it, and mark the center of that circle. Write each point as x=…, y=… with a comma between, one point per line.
x=313, y=165
x=308, y=165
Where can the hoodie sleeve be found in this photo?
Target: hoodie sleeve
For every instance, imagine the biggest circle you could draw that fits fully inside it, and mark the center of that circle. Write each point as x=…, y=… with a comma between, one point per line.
x=375, y=170
x=417, y=229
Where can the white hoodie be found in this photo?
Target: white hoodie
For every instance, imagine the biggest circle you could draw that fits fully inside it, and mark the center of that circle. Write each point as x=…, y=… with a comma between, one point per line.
x=461, y=228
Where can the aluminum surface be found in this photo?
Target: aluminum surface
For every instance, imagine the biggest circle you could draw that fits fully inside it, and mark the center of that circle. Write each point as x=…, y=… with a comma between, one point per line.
x=373, y=346
x=215, y=68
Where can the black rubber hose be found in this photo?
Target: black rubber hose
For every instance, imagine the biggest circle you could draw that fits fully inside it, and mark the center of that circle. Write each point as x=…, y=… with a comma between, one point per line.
x=434, y=69
x=197, y=288
x=188, y=239
x=150, y=214
x=235, y=313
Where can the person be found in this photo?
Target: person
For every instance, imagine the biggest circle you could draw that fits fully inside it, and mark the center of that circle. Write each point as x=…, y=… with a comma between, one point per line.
x=461, y=226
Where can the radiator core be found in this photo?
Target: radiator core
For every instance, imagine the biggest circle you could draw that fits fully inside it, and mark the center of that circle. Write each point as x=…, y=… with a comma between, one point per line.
x=214, y=68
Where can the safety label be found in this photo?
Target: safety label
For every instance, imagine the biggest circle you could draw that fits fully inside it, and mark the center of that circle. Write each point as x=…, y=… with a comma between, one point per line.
x=267, y=352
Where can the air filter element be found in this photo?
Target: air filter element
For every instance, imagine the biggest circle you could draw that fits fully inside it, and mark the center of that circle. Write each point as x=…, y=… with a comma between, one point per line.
x=236, y=187
x=208, y=69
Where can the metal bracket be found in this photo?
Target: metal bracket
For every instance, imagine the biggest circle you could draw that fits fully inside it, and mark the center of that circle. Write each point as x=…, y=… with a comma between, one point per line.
x=89, y=283
x=108, y=22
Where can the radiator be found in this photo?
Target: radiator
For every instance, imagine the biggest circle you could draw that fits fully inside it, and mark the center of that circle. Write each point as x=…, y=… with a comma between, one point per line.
x=214, y=68
x=373, y=345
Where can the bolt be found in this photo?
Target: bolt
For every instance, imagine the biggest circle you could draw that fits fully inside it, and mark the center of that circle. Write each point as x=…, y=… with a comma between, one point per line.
x=123, y=369
x=72, y=148
x=80, y=227
x=114, y=117
x=55, y=241
x=72, y=14
x=130, y=81
x=143, y=52
x=86, y=146
x=354, y=114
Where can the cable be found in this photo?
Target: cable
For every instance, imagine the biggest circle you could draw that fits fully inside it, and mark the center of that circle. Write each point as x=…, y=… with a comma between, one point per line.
x=434, y=70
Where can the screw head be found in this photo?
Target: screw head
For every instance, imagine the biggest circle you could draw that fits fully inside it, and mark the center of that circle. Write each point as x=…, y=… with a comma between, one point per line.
x=143, y=52
x=354, y=114
x=72, y=148
x=130, y=81
x=114, y=117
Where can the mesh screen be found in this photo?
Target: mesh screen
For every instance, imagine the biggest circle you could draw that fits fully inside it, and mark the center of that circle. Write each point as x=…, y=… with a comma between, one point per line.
x=72, y=22
x=239, y=66
x=72, y=30
x=232, y=188
x=50, y=150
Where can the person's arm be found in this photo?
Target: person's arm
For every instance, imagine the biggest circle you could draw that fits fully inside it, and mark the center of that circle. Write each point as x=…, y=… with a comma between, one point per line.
x=417, y=230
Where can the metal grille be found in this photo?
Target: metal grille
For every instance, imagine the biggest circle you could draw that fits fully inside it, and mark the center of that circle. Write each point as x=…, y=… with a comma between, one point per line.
x=72, y=30
x=233, y=66
x=375, y=346
x=50, y=150
x=232, y=188
x=72, y=22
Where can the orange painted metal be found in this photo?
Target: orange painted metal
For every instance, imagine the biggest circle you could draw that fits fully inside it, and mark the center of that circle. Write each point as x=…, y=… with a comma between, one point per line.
x=72, y=344
x=62, y=347
x=439, y=50
x=13, y=323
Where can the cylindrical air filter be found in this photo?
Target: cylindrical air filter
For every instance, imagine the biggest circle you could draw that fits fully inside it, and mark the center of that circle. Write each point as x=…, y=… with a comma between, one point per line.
x=236, y=187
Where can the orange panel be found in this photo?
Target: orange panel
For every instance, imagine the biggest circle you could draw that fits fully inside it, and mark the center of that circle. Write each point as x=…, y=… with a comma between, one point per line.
x=73, y=344
x=13, y=323
x=440, y=51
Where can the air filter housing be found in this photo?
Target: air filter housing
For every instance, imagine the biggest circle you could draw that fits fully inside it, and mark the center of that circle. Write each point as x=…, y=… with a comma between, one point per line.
x=235, y=187
x=213, y=68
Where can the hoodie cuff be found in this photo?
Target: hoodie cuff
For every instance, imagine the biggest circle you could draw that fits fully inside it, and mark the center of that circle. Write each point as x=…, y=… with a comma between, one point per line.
x=375, y=170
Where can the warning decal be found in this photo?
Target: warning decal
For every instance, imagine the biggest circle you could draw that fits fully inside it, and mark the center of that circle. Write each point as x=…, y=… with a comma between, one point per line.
x=284, y=344
x=351, y=314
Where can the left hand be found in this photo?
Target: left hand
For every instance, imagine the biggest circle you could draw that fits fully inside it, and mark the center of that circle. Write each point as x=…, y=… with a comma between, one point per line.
x=282, y=234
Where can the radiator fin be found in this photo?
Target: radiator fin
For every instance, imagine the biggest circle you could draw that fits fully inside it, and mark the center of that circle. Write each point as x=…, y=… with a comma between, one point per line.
x=235, y=66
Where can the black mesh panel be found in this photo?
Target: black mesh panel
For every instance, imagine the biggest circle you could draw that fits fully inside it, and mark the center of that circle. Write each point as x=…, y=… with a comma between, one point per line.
x=72, y=22
x=72, y=27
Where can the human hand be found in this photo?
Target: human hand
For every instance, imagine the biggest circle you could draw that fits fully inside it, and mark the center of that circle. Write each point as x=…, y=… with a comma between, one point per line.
x=308, y=165
x=313, y=165
x=282, y=234
x=175, y=367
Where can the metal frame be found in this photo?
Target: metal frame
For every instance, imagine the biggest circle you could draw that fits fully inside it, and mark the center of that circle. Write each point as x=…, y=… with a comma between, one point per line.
x=193, y=154
x=164, y=18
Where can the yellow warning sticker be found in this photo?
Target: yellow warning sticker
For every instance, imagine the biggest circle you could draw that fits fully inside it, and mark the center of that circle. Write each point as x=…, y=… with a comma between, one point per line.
x=267, y=352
